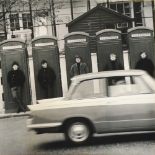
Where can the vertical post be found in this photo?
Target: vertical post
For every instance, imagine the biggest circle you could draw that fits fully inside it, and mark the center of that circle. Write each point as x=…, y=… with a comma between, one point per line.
x=12, y=36
x=52, y=14
x=88, y=5
x=4, y=19
x=132, y=13
x=107, y=3
x=71, y=5
x=54, y=23
x=153, y=15
x=30, y=9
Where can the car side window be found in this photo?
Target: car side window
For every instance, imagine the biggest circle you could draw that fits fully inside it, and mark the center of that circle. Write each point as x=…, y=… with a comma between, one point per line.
x=141, y=85
x=127, y=85
x=90, y=89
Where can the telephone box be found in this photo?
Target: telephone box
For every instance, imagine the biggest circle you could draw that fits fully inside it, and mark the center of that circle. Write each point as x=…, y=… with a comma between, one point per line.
x=11, y=51
x=140, y=39
x=108, y=41
x=46, y=48
x=77, y=43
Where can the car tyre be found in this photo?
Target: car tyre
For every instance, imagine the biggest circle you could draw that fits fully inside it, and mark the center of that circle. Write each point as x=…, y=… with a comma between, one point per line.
x=78, y=132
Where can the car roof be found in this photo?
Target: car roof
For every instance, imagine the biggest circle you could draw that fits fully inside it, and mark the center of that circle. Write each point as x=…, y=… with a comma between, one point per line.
x=102, y=74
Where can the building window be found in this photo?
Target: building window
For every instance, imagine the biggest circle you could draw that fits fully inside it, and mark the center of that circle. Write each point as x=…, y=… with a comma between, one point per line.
x=1, y=23
x=110, y=26
x=122, y=25
x=122, y=7
x=138, y=14
x=14, y=22
x=27, y=24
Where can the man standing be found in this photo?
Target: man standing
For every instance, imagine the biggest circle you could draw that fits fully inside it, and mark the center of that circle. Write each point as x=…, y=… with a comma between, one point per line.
x=144, y=63
x=113, y=64
x=46, y=78
x=16, y=80
x=78, y=67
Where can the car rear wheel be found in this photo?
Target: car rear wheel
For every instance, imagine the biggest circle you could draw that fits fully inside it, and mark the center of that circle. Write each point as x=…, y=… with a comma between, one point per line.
x=78, y=132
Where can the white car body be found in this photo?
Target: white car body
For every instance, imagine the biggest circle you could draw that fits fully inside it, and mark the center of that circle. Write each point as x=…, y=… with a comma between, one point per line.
x=130, y=108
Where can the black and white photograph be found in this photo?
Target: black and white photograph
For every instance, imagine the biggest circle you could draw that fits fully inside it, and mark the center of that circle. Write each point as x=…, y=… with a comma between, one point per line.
x=77, y=77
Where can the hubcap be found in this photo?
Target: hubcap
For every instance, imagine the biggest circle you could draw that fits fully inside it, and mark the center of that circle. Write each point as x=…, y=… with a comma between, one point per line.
x=78, y=132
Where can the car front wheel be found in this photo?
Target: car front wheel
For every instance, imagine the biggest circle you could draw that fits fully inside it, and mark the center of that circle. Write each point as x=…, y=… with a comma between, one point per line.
x=78, y=132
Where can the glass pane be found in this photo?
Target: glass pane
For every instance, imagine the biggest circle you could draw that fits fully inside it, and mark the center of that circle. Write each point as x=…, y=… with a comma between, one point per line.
x=26, y=21
x=14, y=22
x=90, y=89
x=137, y=7
x=24, y=25
x=126, y=8
x=127, y=86
x=120, y=8
x=17, y=26
x=141, y=86
x=113, y=7
x=138, y=19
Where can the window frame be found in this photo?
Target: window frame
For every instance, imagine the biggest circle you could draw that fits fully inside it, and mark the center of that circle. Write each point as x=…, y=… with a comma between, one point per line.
x=122, y=25
x=132, y=82
x=14, y=22
x=27, y=21
x=137, y=6
x=123, y=7
x=145, y=84
x=107, y=95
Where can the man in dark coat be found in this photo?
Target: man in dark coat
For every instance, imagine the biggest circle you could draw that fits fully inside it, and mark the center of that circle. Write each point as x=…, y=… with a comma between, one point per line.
x=78, y=67
x=46, y=78
x=16, y=80
x=113, y=64
x=144, y=63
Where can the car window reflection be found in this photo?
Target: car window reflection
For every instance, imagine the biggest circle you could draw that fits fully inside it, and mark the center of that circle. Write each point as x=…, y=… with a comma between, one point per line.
x=93, y=88
x=123, y=86
x=111, y=87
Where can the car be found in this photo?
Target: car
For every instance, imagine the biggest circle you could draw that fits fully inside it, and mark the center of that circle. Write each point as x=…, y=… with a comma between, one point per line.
x=121, y=101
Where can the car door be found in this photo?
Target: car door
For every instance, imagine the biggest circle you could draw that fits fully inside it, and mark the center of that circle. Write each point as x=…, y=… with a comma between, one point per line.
x=130, y=106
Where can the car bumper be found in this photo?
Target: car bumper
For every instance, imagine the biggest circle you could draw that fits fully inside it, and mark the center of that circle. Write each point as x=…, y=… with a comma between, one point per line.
x=44, y=127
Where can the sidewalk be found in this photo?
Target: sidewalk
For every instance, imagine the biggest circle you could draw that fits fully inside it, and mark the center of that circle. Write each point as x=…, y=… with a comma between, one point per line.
x=9, y=115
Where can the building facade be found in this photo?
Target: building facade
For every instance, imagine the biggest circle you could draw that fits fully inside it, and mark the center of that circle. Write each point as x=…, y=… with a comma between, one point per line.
x=26, y=19
x=50, y=17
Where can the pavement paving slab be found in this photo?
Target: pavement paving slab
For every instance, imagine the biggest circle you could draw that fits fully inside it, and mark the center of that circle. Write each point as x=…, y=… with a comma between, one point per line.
x=8, y=115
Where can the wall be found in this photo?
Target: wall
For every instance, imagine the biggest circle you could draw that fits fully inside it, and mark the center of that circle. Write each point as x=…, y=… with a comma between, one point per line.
x=63, y=16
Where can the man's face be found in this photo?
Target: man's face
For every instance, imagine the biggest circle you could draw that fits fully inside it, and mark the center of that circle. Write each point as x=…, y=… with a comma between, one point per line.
x=112, y=57
x=15, y=67
x=143, y=55
x=44, y=65
x=78, y=60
